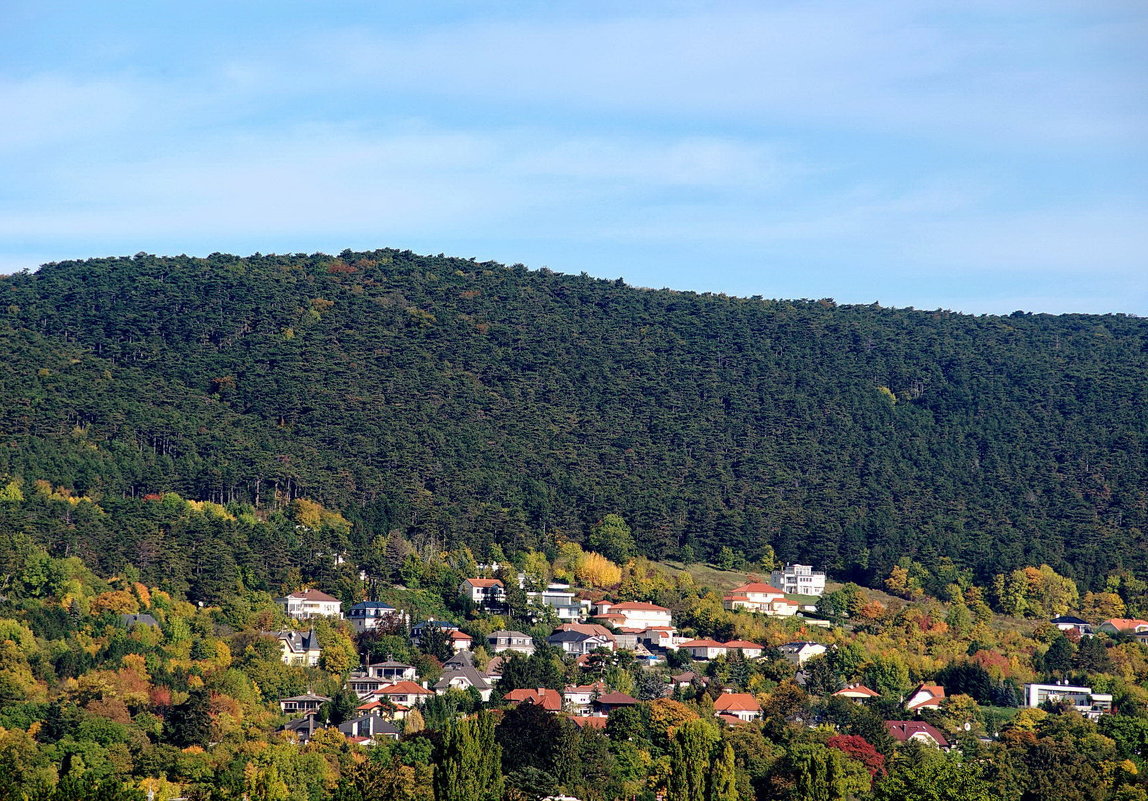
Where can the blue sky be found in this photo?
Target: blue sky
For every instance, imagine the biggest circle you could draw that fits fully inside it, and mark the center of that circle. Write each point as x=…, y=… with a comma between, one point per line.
x=977, y=156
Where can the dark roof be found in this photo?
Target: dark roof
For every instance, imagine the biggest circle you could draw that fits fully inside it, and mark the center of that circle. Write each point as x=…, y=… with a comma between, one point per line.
x=143, y=619
x=471, y=674
x=615, y=699
x=306, y=697
x=298, y=641
x=1069, y=619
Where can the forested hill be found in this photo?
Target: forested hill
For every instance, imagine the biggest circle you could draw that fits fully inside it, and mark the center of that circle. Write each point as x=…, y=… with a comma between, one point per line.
x=471, y=402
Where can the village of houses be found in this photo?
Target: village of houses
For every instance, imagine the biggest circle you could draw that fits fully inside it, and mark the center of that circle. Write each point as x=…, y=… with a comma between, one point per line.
x=389, y=691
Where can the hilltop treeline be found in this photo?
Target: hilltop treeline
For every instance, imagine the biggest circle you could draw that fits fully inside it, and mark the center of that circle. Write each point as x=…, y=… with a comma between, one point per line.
x=465, y=402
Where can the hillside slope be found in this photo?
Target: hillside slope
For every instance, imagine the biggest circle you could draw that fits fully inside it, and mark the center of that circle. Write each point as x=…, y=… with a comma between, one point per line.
x=475, y=402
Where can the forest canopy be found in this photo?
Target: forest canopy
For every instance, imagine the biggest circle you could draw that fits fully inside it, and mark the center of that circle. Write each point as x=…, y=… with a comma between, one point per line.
x=466, y=402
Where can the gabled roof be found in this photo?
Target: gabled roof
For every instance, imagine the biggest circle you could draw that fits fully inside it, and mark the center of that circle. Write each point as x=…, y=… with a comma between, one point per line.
x=586, y=628
x=550, y=700
x=311, y=595
x=371, y=605
x=306, y=697
x=904, y=730
x=732, y=720
x=298, y=642
x=757, y=587
x=736, y=702
x=469, y=675
x=702, y=644
x=744, y=645
x=857, y=691
x=1069, y=619
x=503, y=634
x=1128, y=624
x=403, y=688
x=483, y=582
x=596, y=687
x=143, y=619
x=930, y=695
x=638, y=606
x=616, y=699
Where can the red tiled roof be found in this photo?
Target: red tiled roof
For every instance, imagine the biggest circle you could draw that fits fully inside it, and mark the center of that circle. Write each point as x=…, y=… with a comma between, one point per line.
x=702, y=644
x=758, y=586
x=934, y=695
x=616, y=699
x=590, y=722
x=312, y=595
x=550, y=700
x=455, y=634
x=743, y=644
x=639, y=606
x=480, y=582
x=736, y=702
x=589, y=629
x=858, y=689
x=403, y=688
x=1126, y=623
x=733, y=720
x=903, y=730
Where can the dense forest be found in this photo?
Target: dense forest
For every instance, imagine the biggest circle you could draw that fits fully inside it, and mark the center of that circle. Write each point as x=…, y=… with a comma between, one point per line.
x=474, y=403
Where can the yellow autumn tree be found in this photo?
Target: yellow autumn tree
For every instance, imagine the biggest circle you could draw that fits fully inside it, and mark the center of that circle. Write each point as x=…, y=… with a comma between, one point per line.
x=595, y=570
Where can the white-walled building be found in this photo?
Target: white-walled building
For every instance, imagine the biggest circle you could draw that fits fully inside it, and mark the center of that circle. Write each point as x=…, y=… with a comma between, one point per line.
x=638, y=615
x=761, y=598
x=306, y=604
x=1091, y=705
x=798, y=580
x=369, y=615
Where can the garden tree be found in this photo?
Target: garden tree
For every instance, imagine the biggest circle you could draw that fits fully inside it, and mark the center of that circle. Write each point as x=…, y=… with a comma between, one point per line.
x=691, y=754
x=1057, y=660
x=189, y=723
x=541, y=669
x=529, y=736
x=537, y=569
x=926, y=774
x=339, y=654
x=595, y=570
x=888, y=675
x=435, y=641
x=821, y=676
x=612, y=538
x=469, y=761
x=1034, y=592
x=813, y=772
x=1092, y=656
x=1098, y=606
x=858, y=748
x=722, y=785
x=340, y=708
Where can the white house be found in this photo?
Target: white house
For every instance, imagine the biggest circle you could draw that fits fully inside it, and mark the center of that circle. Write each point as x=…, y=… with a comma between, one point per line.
x=750, y=650
x=926, y=696
x=504, y=640
x=562, y=600
x=1091, y=705
x=704, y=649
x=306, y=704
x=579, y=642
x=798, y=580
x=742, y=706
x=483, y=591
x=369, y=615
x=310, y=603
x=800, y=652
x=638, y=615
x=761, y=598
x=389, y=671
